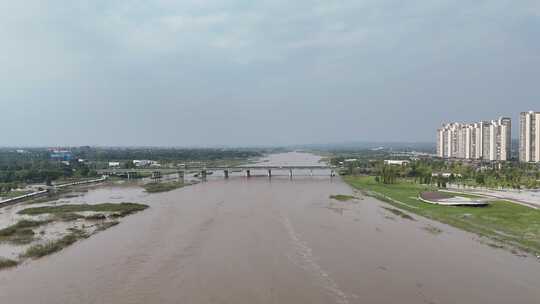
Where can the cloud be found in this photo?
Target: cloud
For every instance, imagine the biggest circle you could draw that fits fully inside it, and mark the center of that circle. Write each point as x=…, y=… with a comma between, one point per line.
x=189, y=60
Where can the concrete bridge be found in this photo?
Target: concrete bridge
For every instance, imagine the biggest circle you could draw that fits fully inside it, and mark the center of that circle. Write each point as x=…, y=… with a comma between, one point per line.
x=203, y=171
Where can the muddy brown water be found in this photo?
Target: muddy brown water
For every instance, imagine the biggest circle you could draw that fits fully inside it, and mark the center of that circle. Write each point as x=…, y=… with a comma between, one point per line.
x=271, y=241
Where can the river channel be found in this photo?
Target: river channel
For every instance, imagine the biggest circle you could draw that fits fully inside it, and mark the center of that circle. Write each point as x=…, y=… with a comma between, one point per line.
x=279, y=240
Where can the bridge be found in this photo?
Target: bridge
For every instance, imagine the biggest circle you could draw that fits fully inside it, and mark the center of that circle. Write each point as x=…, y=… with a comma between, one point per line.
x=203, y=171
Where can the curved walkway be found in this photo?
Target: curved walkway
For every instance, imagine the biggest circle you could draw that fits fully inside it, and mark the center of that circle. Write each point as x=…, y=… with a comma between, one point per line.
x=445, y=200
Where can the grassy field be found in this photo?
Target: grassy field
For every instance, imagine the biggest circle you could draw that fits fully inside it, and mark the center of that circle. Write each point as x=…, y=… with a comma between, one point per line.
x=121, y=209
x=163, y=186
x=502, y=221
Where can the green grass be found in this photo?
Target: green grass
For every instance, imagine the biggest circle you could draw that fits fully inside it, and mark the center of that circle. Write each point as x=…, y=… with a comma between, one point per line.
x=342, y=197
x=41, y=250
x=68, y=216
x=162, y=187
x=7, y=263
x=503, y=221
x=121, y=209
x=21, y=232
x=20, y=225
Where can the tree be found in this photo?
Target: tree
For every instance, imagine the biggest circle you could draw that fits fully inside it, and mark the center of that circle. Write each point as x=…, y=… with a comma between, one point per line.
x=83, y=171
x=388, y=174
x=480, y=179
x=129, y=164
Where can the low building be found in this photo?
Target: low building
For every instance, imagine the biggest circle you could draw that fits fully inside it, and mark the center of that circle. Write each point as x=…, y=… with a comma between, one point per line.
x=145, y=163
x=114, y=164
x=61, y=155
x=445, y=174
x=396, y=162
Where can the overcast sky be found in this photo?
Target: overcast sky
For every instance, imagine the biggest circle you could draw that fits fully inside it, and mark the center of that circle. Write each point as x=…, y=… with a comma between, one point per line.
x=224, y=72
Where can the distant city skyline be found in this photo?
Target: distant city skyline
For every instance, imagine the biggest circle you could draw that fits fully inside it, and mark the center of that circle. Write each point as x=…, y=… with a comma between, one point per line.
x=529, y=136
x=483, y=140
x=491, y=140
x=233, y=73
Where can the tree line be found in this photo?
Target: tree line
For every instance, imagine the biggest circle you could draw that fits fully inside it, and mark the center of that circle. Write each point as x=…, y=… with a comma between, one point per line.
x=441, y=173
x=35, y=165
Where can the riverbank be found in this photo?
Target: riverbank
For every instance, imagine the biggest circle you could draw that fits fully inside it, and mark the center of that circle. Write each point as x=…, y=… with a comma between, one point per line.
x=34, y=229
x=509, y=224
x=32, y=195
x=44, y=230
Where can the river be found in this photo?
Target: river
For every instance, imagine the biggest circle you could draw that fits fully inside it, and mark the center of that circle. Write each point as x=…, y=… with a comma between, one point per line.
x=260, y=240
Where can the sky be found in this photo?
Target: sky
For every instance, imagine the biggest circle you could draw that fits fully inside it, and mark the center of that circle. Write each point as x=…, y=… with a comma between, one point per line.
x=242, y=73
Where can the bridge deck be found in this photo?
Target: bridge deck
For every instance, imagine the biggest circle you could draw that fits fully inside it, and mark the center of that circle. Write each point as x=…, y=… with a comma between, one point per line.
x=244, y=168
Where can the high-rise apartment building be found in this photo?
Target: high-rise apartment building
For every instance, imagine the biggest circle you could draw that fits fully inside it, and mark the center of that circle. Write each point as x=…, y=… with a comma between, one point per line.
x=529, y=137
x=487, y=140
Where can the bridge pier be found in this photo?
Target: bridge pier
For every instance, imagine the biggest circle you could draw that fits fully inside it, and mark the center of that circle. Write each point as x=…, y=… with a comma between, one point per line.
x=181, y=176
x=156, y=175
x=204, y=171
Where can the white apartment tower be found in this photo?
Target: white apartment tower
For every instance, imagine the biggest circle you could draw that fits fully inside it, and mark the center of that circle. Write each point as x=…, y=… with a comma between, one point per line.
x=529, y=137
x=487, y=140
